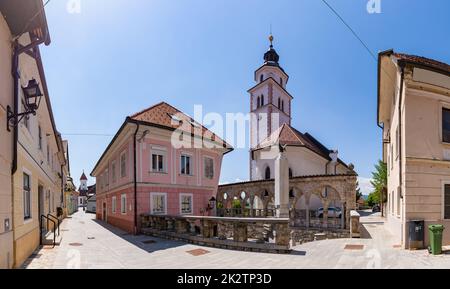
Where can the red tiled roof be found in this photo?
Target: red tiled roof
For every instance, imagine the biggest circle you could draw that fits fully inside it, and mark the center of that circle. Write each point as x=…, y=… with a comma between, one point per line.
x=287, y=135
x=163, y=114
x=423, y=61
x=83, y=177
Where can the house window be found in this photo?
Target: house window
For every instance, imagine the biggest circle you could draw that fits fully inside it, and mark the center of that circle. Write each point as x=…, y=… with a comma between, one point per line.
x=290, y=173
x=40, y=137
x=282, y=105
x=113, y=205
x=258, y=102
x=185, y=165
x=447, y=202
x=185, y=204
x=279, y=103
x=281, y=81
x=113, y=172
x=48, y=155
x=123, y=165
x=123, y=204
x=446, y=125
x=26, y=196
x=261, y=78
x=158, y=162
x=158, y=203
x=106, y=178
x=262, y=100
x=209, y=168
x=267, y=173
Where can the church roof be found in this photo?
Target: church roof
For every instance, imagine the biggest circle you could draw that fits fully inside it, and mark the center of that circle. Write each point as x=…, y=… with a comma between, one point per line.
x=287, y=135
x=167, y=116
x=83, y=177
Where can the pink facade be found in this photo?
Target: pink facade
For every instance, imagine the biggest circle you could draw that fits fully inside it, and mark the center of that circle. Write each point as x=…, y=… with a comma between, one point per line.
x=164, y=185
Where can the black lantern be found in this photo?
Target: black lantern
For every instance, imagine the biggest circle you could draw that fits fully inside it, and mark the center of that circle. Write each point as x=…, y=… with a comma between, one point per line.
x=32, y=94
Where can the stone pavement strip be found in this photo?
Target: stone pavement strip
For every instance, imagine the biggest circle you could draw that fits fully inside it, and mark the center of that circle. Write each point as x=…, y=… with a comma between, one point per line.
x=88, y=244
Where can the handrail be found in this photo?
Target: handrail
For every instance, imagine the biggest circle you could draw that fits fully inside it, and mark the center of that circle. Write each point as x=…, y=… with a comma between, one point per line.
x=55, y=218
x=54, y=225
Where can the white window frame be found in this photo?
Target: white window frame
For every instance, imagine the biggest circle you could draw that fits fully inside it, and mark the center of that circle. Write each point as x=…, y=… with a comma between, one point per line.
x=165, y=203
x=213, y=167
x=444, y=183
x=191, y=162
x=192, y=203
x=158, y=152
x=113, y=204
x=123, y=208
x=30, y=218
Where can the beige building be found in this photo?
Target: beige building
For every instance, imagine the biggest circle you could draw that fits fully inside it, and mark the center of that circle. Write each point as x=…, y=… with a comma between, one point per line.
x=414, y=113
x=32, y=160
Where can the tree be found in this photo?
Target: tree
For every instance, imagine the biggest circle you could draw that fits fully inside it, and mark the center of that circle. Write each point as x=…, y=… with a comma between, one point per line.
x=358, y=192
x=379, y=183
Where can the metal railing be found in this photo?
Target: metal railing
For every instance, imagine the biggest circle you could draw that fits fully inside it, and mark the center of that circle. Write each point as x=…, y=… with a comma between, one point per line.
x=41, y=231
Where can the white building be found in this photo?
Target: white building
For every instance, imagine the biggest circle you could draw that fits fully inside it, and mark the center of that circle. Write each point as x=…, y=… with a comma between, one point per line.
x=270, y=104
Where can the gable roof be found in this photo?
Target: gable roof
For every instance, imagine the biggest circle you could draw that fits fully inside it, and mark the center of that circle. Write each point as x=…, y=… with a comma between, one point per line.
x=423, y=61
x=167, y=116
x=287, y=135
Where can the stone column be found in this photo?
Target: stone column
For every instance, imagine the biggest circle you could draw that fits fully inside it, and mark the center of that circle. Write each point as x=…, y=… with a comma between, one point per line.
x=307, y=211
x=282, y=185
x=325, y=216
x=282, y=234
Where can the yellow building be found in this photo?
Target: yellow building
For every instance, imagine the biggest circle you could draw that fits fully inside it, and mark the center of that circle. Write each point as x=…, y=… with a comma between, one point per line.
x=37, y=162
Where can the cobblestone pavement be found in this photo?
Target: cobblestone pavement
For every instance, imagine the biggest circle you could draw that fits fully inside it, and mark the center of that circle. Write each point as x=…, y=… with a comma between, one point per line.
x=88, y=243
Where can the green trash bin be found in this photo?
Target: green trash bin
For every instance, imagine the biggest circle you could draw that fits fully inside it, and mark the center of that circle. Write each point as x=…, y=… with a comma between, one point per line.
x=436, y=239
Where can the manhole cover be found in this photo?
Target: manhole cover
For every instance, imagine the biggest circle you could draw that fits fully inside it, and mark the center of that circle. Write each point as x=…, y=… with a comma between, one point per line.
x=198, y=252
x=75, y=244
x=149, y=242
x=354, y=247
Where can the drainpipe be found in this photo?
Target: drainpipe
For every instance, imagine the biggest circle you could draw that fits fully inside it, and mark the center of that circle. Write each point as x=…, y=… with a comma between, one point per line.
x=400, y=153
x=135, y=176
x=18, y=50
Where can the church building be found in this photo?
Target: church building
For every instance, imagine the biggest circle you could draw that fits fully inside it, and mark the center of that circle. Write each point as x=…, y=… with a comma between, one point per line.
x=271, y=105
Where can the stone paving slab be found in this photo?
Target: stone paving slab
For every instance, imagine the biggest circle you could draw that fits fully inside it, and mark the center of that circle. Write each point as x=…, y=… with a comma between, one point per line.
x=112, y=248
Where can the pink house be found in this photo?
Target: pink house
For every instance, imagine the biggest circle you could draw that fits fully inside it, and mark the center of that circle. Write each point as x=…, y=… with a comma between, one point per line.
x=161, y=161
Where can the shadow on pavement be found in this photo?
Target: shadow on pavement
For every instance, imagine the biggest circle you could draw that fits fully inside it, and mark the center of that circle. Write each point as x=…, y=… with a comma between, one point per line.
x=147, y=243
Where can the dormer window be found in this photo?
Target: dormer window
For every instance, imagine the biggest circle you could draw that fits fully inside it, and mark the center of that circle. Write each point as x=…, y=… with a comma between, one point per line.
x=175, y=118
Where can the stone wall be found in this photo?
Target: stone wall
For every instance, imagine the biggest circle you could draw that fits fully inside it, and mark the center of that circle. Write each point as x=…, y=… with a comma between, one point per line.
x=302, y=235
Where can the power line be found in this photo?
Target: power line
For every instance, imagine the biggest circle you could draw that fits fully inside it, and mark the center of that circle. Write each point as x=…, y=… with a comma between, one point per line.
x=351, y=30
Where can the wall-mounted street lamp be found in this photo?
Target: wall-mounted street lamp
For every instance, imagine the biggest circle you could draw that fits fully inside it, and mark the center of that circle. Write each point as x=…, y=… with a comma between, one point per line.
x=33, y=97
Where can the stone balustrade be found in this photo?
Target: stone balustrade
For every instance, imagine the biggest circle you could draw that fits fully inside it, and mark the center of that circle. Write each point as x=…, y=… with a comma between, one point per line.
x=247, y=234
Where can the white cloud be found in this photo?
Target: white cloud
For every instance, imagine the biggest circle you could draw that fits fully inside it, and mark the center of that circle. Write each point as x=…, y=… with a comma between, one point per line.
x=365, y=186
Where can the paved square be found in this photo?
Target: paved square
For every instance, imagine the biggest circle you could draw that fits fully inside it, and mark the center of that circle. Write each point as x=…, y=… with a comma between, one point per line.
x=88, y=243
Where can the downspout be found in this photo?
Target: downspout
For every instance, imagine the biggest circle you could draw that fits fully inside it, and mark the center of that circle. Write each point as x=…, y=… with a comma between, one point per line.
x=15, y=74
x=135, y=176
x=400, y=153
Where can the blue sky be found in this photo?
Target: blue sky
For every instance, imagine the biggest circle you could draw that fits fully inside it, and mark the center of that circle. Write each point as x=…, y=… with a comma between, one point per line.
x=117, y=57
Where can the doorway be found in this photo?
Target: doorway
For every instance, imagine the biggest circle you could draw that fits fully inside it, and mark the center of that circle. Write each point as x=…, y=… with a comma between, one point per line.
x=41, y=206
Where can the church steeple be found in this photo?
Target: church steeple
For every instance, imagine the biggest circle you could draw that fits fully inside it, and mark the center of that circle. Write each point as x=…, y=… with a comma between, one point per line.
x=271, y=56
